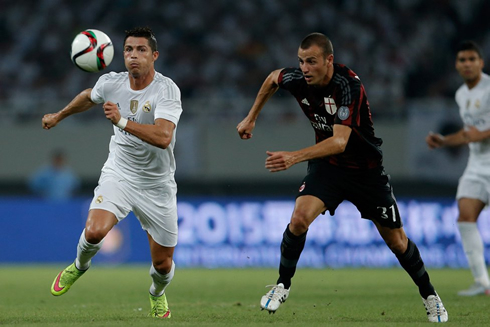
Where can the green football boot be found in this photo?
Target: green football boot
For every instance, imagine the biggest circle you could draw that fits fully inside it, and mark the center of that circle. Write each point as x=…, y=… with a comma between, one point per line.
x=159, y=307
x=65, y=279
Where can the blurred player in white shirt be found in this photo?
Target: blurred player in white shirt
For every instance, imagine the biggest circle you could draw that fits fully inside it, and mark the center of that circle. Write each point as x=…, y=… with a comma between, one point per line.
x=144, y=107
x=473, y=194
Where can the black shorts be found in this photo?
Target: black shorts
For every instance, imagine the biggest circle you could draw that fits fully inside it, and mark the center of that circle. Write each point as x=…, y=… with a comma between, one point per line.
x=369, y=190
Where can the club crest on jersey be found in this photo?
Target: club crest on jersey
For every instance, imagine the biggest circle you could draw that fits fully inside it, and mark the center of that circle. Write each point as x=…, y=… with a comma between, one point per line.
x=99, y=199
x=133, y=106
x=147, y=106
x=302, y=187
x=330, y=106
x=477, y=104
x=343, y=113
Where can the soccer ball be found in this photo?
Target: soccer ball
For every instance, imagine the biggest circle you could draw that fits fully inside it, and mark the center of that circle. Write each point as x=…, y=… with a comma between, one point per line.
x=92, y=50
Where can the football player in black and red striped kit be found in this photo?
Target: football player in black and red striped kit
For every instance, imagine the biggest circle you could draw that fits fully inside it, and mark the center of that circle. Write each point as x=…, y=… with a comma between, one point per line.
x=344, y=164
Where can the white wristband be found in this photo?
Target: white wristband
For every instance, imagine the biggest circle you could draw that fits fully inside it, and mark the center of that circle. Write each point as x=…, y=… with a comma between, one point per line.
x=122, y=123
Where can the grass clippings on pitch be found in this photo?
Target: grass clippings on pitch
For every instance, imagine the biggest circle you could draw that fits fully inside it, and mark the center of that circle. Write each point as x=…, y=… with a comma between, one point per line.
x=118, y=296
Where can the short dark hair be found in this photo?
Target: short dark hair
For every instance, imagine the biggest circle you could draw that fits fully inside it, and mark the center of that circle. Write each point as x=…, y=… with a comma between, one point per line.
x=145, y=32
x=318, y=39
x=469, y=46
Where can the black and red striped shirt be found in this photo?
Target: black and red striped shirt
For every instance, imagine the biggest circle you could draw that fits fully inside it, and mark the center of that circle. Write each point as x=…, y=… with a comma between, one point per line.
x=343, y=101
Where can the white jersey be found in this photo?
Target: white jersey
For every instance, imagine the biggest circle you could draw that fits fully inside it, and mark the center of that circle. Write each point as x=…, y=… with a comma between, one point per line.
x=474, y=109
x=140, y=163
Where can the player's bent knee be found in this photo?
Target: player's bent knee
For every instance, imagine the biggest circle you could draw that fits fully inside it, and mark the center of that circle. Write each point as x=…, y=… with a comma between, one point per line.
x=398, y=247
x=94, y=235
x=298, y=225
x=163, y=266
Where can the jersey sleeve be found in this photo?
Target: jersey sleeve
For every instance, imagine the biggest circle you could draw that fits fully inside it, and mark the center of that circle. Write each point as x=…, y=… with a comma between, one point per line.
x=351, y=94
x=169, y=104
x=289, y=78
x=97, y=94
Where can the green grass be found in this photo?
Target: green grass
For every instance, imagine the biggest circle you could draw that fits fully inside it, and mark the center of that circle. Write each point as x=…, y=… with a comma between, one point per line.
x=117, y=296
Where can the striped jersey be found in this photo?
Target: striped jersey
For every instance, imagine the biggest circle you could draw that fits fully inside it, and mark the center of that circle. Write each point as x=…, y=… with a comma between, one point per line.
x=343, y=101
x=140, y=163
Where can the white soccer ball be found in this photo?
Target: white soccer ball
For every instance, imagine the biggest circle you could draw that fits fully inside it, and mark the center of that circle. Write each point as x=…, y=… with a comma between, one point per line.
x=92, y=50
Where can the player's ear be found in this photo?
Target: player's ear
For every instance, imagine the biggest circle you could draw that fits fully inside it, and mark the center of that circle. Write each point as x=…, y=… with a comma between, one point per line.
x=155, y=55
x=329, y=59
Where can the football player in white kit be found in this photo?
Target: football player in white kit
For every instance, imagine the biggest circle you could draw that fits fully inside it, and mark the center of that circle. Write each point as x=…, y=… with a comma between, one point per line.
x=144, y=107
x=473, y=99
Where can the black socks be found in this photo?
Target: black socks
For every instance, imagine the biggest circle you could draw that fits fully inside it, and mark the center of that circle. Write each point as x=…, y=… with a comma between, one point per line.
x=291, y=248
x=413, y=264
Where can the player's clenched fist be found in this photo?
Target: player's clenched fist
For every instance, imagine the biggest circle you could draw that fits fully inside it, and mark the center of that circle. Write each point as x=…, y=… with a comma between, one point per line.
x=50, y=121
x=111, y=112
x=245, y=128
x=434, y=140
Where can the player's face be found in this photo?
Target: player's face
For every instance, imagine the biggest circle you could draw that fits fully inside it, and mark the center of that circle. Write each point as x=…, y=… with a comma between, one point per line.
x=314, y=65
x=469, y=65
x=138, y=57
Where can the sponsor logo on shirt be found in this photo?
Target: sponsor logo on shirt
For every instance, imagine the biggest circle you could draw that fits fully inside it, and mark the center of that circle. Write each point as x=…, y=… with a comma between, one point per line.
x=304, y=101
x=321, y=123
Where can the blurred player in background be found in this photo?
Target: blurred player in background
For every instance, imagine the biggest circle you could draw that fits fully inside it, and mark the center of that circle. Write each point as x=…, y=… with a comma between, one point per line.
x=473, y=99
x=144, y=106
x=55, y=181
x=345, y=164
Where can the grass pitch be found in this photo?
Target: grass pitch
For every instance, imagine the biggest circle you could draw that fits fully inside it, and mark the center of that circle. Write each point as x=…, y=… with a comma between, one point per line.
x=117, y=296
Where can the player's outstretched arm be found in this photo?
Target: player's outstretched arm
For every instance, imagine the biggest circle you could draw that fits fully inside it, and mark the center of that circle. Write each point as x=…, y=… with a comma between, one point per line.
x=282, y=160
x=80, y=103
x=434, y=140
x=268, y=88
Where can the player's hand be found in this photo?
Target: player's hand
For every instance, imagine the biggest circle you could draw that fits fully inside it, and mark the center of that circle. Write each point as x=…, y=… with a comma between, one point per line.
x=111, y=112
x=50, y=120
x=434, y=140
x=278, y=161
x=245, y=128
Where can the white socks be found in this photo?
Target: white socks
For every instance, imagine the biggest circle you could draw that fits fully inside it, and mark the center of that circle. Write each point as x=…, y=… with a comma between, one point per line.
x=160, y=282
x=473, y=248
x=85, y=252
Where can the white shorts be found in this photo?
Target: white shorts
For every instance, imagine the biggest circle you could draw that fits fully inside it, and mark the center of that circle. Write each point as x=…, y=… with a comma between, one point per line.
x=156, y=208
x=474, y=186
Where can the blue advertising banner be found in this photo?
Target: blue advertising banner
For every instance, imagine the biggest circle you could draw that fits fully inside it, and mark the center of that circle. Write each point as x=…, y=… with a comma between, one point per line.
x=234, y=232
